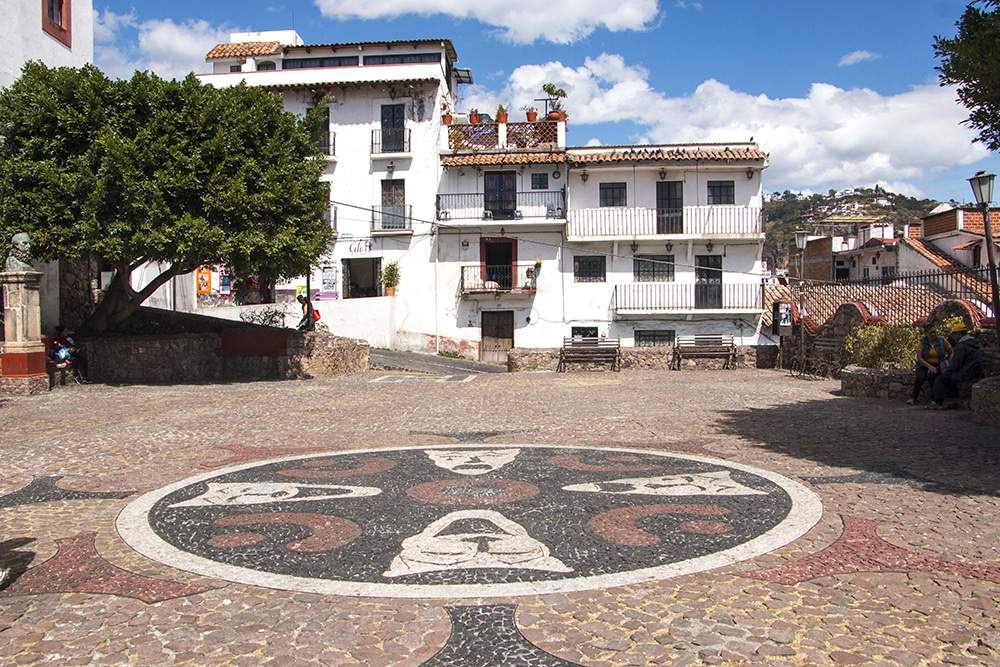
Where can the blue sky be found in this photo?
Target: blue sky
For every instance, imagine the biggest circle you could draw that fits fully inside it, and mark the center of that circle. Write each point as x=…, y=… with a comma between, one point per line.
x=649, y=71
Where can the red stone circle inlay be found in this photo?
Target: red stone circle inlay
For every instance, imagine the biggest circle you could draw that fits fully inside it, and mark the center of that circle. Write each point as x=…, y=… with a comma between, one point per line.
x=619, y=526
x=326, y=532
x=438, y=492
x=704, y=527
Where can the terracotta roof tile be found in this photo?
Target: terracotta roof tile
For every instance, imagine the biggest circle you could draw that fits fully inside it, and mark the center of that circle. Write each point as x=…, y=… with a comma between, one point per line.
x=937, y=257
x=330, y=86
x=973, y=243
x=668, y=154
x=243, y=50
x=490, y=159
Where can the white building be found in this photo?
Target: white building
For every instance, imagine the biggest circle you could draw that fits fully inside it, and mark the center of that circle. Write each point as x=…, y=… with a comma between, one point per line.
x=504, y=236
x=59, y=33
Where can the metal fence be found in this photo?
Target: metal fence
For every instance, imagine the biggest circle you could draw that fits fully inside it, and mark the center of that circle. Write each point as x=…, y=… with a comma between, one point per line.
x=511, y=206
x=391, y=218
x=499, y=278
x=391, y=140
x=901, y=298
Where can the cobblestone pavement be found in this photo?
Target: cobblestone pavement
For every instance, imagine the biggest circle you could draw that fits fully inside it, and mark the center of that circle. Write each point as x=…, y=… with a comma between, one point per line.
x=903, y=566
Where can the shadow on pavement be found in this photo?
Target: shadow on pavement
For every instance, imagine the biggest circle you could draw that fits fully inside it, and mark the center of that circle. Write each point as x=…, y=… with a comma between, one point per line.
x=14, y=562
x=943, y=452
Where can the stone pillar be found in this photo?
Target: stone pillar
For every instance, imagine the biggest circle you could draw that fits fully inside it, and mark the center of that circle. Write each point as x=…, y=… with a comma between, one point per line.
x=22, y=361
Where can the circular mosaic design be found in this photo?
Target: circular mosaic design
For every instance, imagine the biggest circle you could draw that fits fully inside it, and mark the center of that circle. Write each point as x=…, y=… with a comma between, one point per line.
x=468, y=520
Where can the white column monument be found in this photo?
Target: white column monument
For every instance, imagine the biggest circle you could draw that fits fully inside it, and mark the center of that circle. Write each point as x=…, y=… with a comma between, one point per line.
x=22, y=359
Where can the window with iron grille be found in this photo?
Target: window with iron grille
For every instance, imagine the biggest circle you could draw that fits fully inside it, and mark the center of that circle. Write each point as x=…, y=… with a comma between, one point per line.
x=722, y=192
x=588, y=268
x=653, y=268
x=307, y=63
x=539, y=181
x=403, y=59
x=655, y=338
x=584, y=332
x=235, y=68
x=613, y=194
x=266, y=66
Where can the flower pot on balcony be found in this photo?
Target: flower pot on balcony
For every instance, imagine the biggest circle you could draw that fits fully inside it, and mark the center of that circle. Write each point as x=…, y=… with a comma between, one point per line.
x=474, y=117
x=390, y=291
x=554, y=115
x=446, y=119
x=532, y=116
x=502, y=117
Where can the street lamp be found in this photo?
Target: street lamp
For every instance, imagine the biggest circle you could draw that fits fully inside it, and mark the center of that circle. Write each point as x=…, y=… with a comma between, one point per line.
x=982, y=189
x=801, y=240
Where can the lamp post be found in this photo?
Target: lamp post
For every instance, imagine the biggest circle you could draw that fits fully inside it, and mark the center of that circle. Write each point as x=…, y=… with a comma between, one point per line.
x=801, y=240
x=982, y=188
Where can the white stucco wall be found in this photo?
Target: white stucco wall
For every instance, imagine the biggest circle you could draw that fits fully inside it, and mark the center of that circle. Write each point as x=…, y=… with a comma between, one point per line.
x=641, y=184
x=23, y=38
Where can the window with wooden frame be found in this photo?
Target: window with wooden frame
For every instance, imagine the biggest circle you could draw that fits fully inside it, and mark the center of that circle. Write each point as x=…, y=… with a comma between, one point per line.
x=540, y=181
x=57, y=20
x=653, y=268
x=722, y=192
x=589, y=268
x=613, y=194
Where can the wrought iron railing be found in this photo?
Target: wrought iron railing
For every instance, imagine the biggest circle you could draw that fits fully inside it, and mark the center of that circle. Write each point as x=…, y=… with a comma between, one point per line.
x=499, y=278
x=330, y=218
x=900, y=298
x=532, y=135
x=386, y=218
x=328, y=144
x=673, y=297
x=391, y=140
x=468, y=137
x=477, y=206
x=623, y=222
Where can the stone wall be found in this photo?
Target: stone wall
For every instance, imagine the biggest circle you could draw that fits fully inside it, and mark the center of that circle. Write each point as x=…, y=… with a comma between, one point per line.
x=206, y=357
x=892, y=384
x=637, y=358
x=986, y=401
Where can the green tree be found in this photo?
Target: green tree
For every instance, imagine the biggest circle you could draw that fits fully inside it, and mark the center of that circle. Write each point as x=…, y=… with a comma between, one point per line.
x=132, y=171
x=971, y=60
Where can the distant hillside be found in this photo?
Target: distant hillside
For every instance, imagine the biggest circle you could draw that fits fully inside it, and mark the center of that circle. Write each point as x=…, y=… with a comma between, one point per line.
x=785, y=211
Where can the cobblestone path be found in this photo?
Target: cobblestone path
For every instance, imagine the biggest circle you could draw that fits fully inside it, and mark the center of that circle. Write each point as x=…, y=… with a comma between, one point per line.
x=752, y=518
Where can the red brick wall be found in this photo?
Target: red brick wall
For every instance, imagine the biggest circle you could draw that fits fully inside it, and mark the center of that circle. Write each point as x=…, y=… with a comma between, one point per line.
x=819, y=259
x=972, y=221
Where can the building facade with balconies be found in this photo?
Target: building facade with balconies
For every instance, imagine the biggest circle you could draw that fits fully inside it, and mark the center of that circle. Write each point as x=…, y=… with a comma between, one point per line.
x=504, y=236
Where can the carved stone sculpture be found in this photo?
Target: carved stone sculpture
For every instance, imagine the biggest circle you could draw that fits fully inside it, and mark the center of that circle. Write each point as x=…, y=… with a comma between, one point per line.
x=19, y=259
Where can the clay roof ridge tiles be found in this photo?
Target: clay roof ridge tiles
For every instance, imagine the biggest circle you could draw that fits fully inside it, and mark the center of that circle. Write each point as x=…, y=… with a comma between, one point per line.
x=449, y=46
x=243, y=50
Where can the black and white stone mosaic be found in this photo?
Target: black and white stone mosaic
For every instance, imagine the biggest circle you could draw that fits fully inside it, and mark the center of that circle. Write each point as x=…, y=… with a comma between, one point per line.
x=467, y=520
x=45, y=489
x=487, y=636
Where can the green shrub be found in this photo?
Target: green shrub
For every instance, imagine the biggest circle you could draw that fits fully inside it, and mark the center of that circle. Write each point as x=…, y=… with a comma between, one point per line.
x=883, y=346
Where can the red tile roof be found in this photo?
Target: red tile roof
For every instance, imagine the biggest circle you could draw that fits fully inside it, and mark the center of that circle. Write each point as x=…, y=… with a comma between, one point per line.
x=668, y=154
x=243, y=50
x=973, y=243
x=491, y=159
x=329, y=86
x=937, y=257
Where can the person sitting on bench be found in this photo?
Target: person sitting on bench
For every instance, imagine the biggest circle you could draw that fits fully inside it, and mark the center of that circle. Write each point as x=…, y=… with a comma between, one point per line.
x=964, y=367
x=66, y=352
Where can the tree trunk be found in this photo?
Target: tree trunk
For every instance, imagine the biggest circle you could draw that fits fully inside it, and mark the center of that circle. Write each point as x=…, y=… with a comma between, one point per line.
x=121, y=301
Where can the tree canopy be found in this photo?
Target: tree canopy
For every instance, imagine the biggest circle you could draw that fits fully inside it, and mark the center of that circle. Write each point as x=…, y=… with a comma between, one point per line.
x=971, y=60
x=140, y=170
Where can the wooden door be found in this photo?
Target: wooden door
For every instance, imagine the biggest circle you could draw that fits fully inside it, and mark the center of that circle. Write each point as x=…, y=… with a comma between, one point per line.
x=708, y=281
x=669, y=207
x=500, y=194
x=497, y=336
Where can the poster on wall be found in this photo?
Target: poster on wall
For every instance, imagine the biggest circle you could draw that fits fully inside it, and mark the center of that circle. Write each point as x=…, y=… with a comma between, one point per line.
x=782, y=319
x=225, y=281
x=328, y=286
x=203, y=280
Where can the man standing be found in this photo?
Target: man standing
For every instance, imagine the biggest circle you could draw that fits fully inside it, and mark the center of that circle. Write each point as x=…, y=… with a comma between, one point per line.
x=964, y=366
x=306, y=323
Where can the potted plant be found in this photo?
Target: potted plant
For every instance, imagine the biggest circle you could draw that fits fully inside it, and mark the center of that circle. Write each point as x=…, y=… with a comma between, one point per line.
x=390, y=278
x=501, y=114
x=474, y=116
x=446, y=111
x=531, y=113
x=556, y=96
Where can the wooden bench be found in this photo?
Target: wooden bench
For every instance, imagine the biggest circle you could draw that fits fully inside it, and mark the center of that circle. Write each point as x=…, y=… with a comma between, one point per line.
x=827, y=353
x=590, y=350
x=704, y=346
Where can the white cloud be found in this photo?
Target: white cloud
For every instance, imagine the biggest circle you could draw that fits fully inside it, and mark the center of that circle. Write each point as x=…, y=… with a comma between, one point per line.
x=831, y=137
x=855, y=57
x=172, y=50
x=594, y=141
x=686, y=4
x=521, y=21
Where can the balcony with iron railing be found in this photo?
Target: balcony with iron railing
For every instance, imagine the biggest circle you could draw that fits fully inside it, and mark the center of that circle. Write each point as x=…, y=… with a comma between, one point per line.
x=619, y=222
x=330, y=218
x=539, y=135
x=392, y=219
x=499, y=279
x=532, y=205
x=687, y=298
x=328, y=145
x=394, y=141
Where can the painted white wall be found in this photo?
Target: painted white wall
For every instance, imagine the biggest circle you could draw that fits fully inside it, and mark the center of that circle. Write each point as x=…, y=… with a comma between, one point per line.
x=23, y=38
x=641, y=184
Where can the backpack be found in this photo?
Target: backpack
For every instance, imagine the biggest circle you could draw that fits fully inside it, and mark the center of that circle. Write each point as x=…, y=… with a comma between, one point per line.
x=316, y=315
